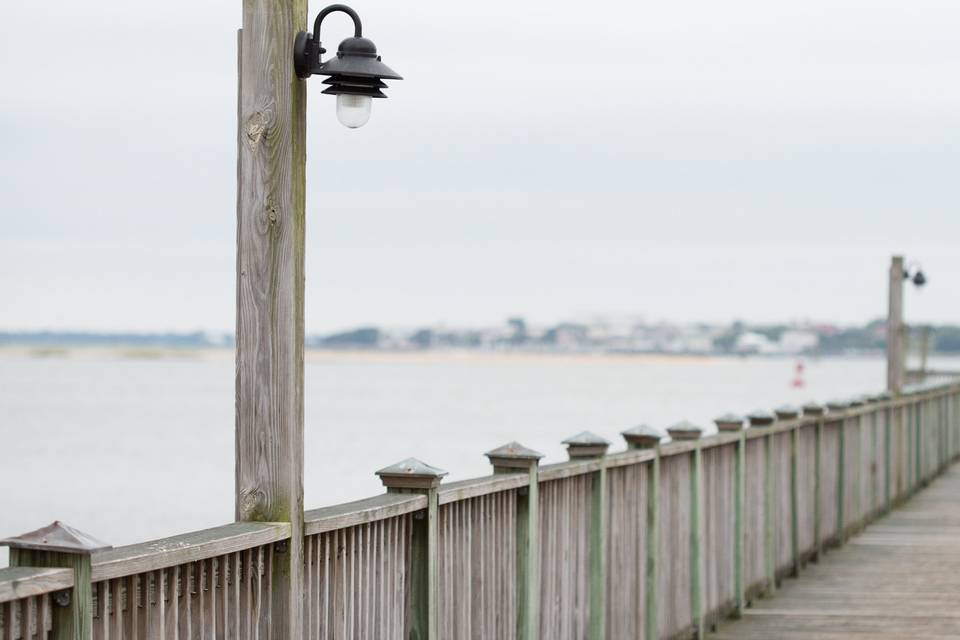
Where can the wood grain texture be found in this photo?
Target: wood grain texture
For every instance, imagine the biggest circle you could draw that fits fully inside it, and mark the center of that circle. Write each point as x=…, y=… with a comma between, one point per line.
x=270, y=288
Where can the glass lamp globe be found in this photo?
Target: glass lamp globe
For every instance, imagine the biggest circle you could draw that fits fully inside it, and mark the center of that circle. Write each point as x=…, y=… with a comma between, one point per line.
x=353, y=111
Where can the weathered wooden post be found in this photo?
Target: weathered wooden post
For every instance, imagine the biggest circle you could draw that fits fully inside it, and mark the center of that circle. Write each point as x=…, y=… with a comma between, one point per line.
x=876, y=407
x=887, y=410
x=687, y=431
x=727, y=423
x=759, y=420
x=817, y=411
x=59, y=545
x=895, y=356
x=586, y=445
x=414, y=476
x=919, y=426
x=790, y=412
x=516, y=458
x=270, y=276
x=840, y=407
x=647, y=437
x=856, y=422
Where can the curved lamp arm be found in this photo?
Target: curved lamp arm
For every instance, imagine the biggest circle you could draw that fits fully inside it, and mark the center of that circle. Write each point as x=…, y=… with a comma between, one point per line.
x=306, y=47
x=342, y=8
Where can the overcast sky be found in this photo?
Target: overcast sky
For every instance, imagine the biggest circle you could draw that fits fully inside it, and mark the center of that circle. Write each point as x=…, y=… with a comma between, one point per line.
x=684, y=160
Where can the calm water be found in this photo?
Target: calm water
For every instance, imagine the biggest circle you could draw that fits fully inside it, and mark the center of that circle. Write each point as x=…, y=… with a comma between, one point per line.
x=132, y=449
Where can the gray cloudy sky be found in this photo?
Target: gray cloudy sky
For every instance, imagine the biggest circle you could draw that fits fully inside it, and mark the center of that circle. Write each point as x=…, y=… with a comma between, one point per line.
x=688, y=160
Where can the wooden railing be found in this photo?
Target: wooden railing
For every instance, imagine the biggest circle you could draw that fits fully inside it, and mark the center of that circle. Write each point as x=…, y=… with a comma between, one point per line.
x=657, y=542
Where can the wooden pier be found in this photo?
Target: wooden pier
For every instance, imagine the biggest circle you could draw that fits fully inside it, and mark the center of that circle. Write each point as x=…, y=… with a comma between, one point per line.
x=898, y=579
x=656, y=541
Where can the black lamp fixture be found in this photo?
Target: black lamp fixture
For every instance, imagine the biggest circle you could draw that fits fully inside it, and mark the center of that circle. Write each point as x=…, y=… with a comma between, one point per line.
x=356, y=72
x=915, y=273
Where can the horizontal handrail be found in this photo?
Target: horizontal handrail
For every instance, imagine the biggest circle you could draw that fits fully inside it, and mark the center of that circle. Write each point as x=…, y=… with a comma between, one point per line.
x=17, y=583
x=188, y=547
x=349, y=514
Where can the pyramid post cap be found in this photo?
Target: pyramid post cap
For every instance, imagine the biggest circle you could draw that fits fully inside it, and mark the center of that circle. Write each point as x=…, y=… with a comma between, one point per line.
x=813, y=409
x=685, y=430
x=586, y=444
x=587, y=437
x=787, y=411
x=729, y=422
x=514, y=455
x=411, y=474
x=57, y=537
x=643, y=436
x=761, y=418
x=838, y=405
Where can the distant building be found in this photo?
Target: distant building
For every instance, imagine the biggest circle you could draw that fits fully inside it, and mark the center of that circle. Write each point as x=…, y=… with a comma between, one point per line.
x=750, y=342
x=795, y=341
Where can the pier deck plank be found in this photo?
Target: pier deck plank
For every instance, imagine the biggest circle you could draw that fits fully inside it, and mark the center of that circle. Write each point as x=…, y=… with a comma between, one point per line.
x=900, y=578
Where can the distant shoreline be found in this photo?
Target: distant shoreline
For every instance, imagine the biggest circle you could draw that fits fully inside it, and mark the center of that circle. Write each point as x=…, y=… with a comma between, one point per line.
x=133, y=352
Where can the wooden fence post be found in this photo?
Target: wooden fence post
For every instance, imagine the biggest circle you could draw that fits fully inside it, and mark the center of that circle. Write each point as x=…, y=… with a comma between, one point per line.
x=59, y=545
x=731, y=422
x=647, y=437
x=271, y=144
x=856, y=477
x=590, y=445
x=414, y=476
x=919, y=426
x=944, y=432
x=840, y=407
x=516, y=458
x=895, y=360
x=760, y=419
x=817, y=411
x=873, y=510
x=686, y=431
x=887, y=454
x=789, y=412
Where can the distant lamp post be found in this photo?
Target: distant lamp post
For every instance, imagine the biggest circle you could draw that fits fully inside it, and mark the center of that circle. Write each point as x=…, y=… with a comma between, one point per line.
x=356, y=72
x=915, y=273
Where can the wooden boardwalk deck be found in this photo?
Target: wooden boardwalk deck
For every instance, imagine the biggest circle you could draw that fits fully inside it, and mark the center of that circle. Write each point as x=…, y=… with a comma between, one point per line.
x=900, y=578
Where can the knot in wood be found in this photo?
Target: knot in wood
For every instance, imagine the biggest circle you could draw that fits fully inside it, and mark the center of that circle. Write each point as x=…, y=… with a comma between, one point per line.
x=252, y=504
x=255, y=127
